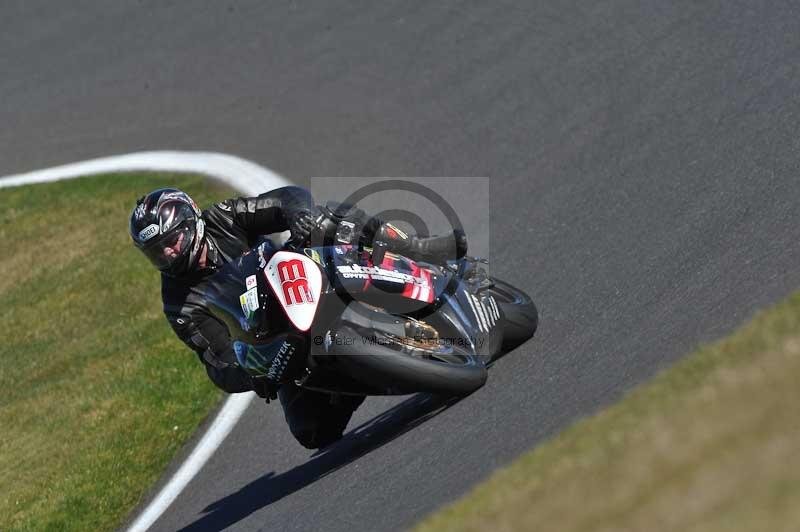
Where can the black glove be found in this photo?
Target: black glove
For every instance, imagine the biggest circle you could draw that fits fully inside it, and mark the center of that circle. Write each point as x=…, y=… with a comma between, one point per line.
x=264, y=387
x=440, y=248
x=270, y=365
x=301, y=224
x=432, y=249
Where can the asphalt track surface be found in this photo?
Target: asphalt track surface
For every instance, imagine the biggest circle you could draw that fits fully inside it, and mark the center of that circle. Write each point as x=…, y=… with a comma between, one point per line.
x=644, y=164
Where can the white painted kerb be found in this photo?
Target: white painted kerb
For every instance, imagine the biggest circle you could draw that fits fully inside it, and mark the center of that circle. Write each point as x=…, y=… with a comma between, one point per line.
x=243, y=175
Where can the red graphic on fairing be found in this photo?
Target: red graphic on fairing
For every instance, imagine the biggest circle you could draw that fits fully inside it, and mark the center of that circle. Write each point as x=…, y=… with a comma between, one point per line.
x=297, y=284
x=419, y=286
x=294, y=282
x=422, y=291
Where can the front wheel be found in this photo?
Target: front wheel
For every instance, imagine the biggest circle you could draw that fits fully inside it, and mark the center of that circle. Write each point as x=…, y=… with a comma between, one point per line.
x=382, y=364
x=521, y=318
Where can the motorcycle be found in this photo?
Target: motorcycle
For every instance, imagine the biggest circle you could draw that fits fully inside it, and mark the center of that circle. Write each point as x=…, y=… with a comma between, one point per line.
x=375, y=322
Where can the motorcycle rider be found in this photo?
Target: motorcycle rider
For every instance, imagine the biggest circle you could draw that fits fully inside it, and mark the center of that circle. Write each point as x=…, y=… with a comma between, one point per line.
x=188, y=246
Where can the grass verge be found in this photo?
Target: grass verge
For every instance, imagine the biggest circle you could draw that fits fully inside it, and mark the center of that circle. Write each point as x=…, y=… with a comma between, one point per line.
x=710, y=444
x=97, y=393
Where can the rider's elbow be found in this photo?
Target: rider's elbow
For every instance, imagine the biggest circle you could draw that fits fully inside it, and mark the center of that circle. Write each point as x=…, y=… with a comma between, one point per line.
x=230, y=379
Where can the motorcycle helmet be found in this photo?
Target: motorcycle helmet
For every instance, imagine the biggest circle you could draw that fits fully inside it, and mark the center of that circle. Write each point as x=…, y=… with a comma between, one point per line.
x=166, y=226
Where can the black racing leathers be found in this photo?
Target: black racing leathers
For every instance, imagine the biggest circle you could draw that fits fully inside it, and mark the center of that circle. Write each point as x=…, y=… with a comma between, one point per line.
x=232, y=227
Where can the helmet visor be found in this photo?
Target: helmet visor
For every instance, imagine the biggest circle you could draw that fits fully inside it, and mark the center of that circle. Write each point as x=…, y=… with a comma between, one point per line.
x=165, y=250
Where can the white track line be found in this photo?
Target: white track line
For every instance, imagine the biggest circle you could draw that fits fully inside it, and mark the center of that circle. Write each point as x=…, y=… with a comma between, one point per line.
x=247, y=177
x=226, y=419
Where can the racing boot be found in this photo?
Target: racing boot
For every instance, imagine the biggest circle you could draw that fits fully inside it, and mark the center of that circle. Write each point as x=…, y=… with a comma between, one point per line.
x=316, y=419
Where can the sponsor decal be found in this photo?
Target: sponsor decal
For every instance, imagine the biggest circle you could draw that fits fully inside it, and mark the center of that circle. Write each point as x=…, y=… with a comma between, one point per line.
x=252, y=299
x=281, y=360
x=250, y=282
x=148, y=232
x=249, y=302
x=377, y=273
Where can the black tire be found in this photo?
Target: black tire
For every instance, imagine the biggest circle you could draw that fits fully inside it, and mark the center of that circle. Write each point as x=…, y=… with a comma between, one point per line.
x=400, y=373
x=521, y=318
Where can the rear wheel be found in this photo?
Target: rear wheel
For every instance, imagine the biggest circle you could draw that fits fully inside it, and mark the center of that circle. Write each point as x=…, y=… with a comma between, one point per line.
x=390, y=363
